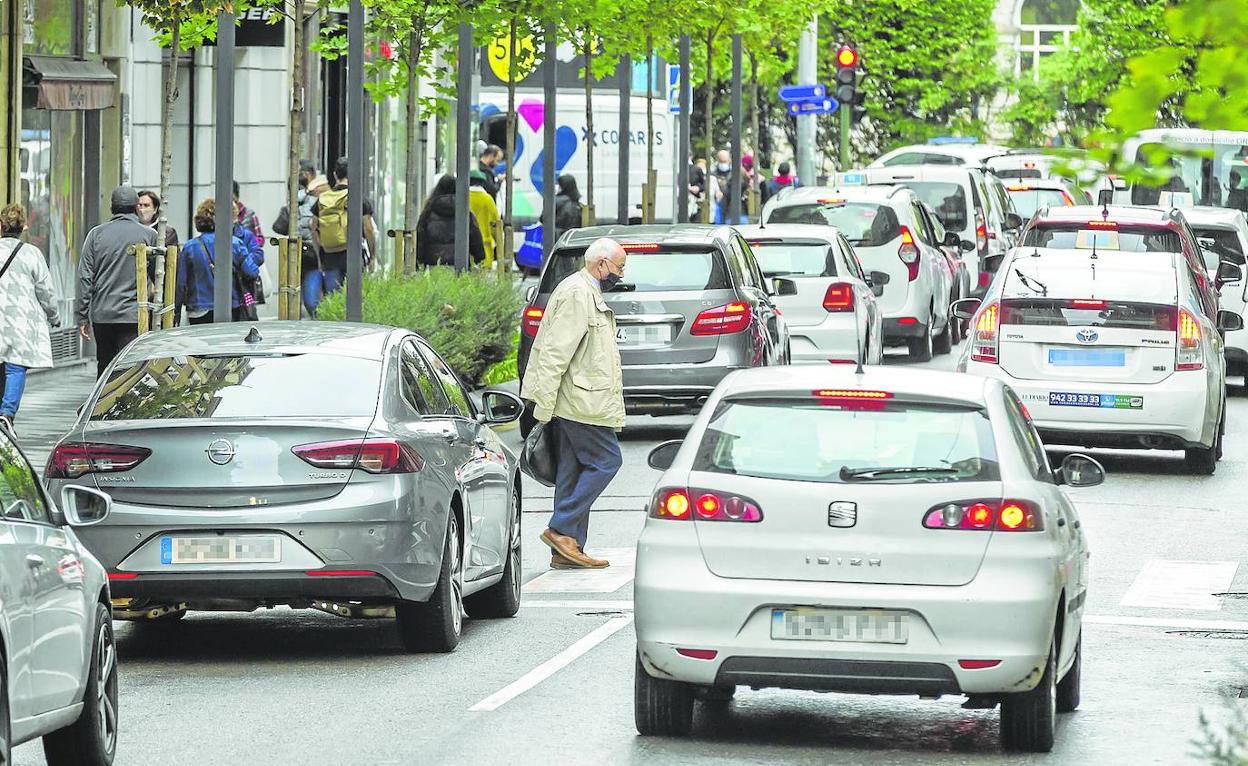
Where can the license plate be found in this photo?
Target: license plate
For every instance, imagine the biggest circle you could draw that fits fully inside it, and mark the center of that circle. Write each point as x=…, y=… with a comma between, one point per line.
x=643, y=335
x=1103, y=401
x=860, y=625
x=1087, y=357
x=221, y=549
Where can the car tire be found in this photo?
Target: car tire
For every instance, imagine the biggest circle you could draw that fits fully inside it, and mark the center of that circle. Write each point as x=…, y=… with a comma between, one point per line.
x=661, y=707
x=943, y=343
x=1203, y=461
x=437, y=624
x=502, y=599
x=92, y=739
x=921, y=348
x=1068, y=687
x=6, y=726
x=1028, y=718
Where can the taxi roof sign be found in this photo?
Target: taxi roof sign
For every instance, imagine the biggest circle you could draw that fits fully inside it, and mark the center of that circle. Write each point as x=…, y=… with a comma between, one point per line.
x=852, y=179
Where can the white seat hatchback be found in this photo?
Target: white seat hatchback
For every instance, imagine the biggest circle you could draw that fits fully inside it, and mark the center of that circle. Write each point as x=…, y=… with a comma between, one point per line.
x=887, y=532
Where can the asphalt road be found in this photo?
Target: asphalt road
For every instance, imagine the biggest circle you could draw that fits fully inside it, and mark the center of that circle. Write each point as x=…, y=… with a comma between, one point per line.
x=554, y=685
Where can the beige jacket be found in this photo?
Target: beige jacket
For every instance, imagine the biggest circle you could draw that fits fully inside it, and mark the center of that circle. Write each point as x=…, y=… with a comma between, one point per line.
x=574, y=367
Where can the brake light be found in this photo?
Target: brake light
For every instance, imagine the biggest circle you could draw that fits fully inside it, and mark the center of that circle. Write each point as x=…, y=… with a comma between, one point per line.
x=531, y=320
x=698, y=654
x=827, y=201
x=73, y=459
x=1190, y=354
x=676, y=503
x=839, y=297
x=113, y=576
x=851, y=393
x=1103, y=225
x=1085, y=303
x=981, y=234
x=986, y=515
x=978, y=664
x=371, y=455
x=640, y=247
x=1017, y=188
x=722, y=320
x=909, y=321
x=909, y=254
x=984, y=342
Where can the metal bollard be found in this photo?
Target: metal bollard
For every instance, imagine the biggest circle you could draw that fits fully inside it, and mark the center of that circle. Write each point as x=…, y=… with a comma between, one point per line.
x=648, y=214
x=141, y=288
x=400, y=246
x=168, y=313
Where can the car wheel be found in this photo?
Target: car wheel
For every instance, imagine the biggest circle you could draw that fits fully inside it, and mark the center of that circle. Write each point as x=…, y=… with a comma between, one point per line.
x=1068, y=687
x=92, y=739
x=1028, y=718
x=1203, y=461
x=1221, y=429
x=921, y=348
x=6, y=745
x=661, y=707
x=436, y=625
x=943, y=343
x=502, y=599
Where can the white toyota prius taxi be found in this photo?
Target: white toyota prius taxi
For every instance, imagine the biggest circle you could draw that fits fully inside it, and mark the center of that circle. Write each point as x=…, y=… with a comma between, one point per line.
x=882, y=532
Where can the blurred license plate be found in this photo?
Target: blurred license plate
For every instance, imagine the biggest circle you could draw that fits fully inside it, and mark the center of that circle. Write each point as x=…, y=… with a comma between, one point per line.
x=643, y=335
x=863, y=625
x=249, y=549
x=1087, y=357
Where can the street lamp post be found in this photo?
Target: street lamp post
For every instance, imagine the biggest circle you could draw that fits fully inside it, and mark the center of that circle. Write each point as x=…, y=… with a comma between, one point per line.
x=355, y=161
x=549, y=63
x=683, y=150
x=463, y=134
x=734, y=184
x=223, y=255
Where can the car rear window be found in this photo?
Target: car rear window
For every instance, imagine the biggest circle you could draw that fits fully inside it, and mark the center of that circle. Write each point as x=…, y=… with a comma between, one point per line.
x=1127, y=239
x=865, y=224
x=947, y=199
x=809, y=440
x=250, y=386
x=1020, y=173
x=1066, y=313
x=802, y=259
x=662, y=270
x=1028, y=201
x=1226, y=246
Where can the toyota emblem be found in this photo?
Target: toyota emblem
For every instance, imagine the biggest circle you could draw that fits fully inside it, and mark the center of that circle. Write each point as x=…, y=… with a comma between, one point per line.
x=221, y=451
x=1087, y=336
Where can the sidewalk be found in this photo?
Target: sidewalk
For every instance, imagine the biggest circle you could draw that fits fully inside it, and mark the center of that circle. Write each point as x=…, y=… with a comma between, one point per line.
x=50, y=406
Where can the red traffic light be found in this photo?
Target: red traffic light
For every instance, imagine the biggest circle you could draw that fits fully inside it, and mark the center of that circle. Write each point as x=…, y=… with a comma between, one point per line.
x=846, y=57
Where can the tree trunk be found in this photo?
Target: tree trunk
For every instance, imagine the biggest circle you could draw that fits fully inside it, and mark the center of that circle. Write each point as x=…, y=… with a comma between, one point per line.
x=649, y=106
x=509, y=157
x=411, y=210
x=166, y=131
x=710, y=125
x=296, y=118
x=755, y=140
x=589, y=126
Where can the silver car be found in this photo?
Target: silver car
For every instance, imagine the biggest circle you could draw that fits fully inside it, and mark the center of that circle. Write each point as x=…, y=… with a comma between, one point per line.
x=58, y=662
x=891, y=532
x=336, y=466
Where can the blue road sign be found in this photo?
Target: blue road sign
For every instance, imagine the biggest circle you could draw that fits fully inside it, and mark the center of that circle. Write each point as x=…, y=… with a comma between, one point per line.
x=820, y=106
x=673, y=89
x=791, y=93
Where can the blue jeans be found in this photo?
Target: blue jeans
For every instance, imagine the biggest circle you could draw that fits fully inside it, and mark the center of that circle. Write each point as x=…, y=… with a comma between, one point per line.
x=588, y=458
x=312, y=285
x=14, y=384
x=334, y=279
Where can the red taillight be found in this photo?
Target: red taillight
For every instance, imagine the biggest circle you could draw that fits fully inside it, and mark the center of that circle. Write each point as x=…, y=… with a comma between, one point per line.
x=978, y=664
x=981, y=234
x=839, y=297
x=372, y=455
x=722, y=320
x=907, y=321
x=122, y=575
x=73, y=459
x=984, y=341
x=697, y=654
x=851, y=393
x=1085, y=303
x=676, y=503
x=340, y=573
x=1103, y=225
x=640, y=247
x=909, y=254
x=1190, y=354
x=985, y=515
x=531, y=320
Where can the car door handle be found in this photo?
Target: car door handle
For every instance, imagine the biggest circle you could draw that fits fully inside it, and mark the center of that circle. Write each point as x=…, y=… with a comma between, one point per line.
x=34, y=560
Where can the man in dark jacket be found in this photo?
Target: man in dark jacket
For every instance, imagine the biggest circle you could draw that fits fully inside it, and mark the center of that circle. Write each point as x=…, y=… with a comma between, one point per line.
x=489, y=159
x=435, y=230
x=108, y=303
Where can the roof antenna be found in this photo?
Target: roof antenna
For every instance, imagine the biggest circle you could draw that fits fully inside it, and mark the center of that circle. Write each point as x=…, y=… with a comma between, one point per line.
x=1105, y=210
x=858, y=347
x=253, y=336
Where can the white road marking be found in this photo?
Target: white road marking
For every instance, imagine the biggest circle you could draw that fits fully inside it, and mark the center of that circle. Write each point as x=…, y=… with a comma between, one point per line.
x=553, y=665
x=1163, y=584
x=605, y=606
x=608, y=580
x=1163, y=622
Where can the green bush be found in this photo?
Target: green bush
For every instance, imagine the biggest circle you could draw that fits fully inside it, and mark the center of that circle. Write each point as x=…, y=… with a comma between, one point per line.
x=507, y=369
x=469, y=318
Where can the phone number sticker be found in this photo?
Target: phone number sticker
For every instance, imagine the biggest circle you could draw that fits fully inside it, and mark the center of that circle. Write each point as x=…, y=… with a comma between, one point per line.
x=1103, y=401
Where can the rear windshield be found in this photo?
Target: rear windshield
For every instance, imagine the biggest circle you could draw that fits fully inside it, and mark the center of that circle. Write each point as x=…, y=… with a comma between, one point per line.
x=1020, y=173
x=1226, y=246
x=863, y=223
x=1028, y=201
x=279, y=385
x=812, y=259
x=1075, y=236
x=1064, y=313
x=659, y=271
x=799, y=440
x=947, y=199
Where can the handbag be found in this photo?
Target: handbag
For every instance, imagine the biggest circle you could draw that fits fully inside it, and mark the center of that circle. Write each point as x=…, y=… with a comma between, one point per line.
x=538, y=459
x=12, y=257
x=246, y=310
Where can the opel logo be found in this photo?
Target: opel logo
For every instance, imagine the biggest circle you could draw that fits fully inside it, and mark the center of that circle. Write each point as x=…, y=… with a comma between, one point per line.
x=221, y=451
x=1087, y=336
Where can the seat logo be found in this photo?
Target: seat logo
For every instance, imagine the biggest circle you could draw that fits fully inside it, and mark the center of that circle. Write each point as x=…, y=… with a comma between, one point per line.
x=221, y=451
x=1087, y=336
x=842, y=514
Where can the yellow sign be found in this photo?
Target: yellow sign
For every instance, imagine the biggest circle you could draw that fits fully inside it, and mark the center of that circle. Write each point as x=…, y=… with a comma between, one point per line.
x=500, y=56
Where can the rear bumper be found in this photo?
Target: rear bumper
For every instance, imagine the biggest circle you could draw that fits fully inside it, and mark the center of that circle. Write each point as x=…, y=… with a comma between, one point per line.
x=894, y=330
x=681, y=387
x=834, y=338
x=281, y=587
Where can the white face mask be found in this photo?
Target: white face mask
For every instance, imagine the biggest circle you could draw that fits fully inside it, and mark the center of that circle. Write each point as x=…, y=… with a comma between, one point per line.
x=724, y=167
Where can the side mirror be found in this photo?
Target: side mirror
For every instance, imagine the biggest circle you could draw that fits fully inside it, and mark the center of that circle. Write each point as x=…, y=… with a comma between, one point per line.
x=662, y=456
x=530, y=294
x=1080, y=471
x=1013, y=221
x=1229, y=321
x=499, y=407
x=1228, y=273
x=784, y=286
x=965, y=308
x=877, y=280
x=952, y=239
x=84, y=506
x=966, y=246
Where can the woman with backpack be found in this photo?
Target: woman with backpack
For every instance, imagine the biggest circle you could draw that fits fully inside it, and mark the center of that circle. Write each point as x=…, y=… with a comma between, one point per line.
x=567, y=206
x=435, y=229
x=27, y=311
x=196, y=282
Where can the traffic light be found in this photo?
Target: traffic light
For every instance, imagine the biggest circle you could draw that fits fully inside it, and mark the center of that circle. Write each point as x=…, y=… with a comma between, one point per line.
x=849, y=76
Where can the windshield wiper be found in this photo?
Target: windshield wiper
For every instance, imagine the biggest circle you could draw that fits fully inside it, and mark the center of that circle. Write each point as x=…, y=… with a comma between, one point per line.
x=883, y=472
x=1031, y=283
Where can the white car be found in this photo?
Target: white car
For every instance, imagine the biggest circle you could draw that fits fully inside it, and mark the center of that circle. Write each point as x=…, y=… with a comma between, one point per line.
x=58, y=662
x=1106, y=347
x=894, y=532
x=1225, y=233
x=835, y=315
x=1022, y=164
x=891, y=232
x=973, y=155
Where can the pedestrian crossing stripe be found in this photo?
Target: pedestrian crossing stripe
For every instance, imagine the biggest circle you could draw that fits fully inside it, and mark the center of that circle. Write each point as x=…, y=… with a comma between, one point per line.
x=608, y=580
x=1165, y=584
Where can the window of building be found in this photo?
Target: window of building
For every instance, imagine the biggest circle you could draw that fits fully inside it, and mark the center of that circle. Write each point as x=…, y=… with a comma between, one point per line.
x=1044, y=27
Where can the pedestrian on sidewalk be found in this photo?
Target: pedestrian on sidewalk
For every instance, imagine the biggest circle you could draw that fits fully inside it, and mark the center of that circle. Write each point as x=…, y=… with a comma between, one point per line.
x=487, y=165
x=196, y=264
x=783, y=180
x=108, y=298
x=247, y=217
x=27, y=310
x=435, y=229
x=574, y=380
x=149, y=214
x=485, y=213
x=569, y=212
x=309, y=260
x=329, y=229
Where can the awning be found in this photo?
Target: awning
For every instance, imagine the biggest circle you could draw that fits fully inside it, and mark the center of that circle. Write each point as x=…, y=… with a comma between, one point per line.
x=69, y=83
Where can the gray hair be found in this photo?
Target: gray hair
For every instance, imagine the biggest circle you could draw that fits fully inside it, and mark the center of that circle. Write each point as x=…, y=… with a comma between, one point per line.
x=603, y=249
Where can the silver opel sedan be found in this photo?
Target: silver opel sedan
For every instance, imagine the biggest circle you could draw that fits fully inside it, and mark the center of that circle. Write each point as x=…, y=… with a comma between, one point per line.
x=342, y=467
x=891, y=532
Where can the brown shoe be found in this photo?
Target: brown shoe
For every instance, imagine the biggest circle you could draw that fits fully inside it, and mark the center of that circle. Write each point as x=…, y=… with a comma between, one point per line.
x=566, y=547
x=559, y=562
x=595, y=563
